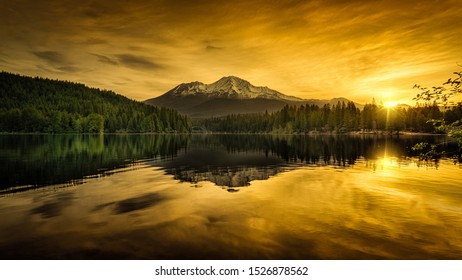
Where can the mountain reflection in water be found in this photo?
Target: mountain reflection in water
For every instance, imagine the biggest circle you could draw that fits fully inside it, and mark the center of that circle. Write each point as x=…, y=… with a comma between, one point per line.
x=156, y=197
x=31, y=161
x=236, y=160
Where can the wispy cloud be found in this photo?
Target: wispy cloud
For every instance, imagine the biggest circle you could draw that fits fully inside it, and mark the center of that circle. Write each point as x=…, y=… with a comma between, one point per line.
x=213, y=48
x=69, y=69
x=57, y=60
x=52, y=57
x=105, y=59
x=95, y=41
x=138, y=62
x=307, y=48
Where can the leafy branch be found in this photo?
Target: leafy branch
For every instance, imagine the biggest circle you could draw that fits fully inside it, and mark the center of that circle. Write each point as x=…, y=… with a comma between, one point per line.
x=441, y=95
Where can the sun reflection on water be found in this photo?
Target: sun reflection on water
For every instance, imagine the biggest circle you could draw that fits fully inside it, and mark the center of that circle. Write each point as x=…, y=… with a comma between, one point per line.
x=381, y=206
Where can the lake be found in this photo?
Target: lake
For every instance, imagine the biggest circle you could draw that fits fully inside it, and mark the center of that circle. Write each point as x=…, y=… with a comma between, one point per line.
x=227, y=197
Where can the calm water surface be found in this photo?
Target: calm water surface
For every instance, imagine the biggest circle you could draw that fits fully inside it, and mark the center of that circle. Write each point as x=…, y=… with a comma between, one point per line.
x=226, y=197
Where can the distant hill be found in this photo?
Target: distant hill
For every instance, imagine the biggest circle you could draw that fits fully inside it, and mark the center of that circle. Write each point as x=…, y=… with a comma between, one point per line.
x=229, y=95
x=42, y=105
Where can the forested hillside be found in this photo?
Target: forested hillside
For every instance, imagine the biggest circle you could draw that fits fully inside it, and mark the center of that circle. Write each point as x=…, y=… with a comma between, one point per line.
x=340, y=118
x=50, y=106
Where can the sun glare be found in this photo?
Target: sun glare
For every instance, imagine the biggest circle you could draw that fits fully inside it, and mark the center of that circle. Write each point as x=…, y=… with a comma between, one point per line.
x=390, y=104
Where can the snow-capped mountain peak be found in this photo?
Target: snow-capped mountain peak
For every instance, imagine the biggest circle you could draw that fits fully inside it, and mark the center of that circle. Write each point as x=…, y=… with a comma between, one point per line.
x=229, y=87
x=228, y=95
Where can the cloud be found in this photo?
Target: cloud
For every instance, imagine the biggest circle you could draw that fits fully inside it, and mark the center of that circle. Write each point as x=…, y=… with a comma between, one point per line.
x=51, y=57
x=95, y=41
x=69, y=69
x=138, y=62
x=213, y=48
x=58, y=61
x=307, y=48
x=105, y=59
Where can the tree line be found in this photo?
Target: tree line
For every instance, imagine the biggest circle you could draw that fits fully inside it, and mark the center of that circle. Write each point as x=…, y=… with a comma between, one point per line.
x=340, y=118
x=50, y=106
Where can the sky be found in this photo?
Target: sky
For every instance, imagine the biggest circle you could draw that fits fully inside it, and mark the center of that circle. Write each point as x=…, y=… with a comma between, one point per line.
x=356, y=49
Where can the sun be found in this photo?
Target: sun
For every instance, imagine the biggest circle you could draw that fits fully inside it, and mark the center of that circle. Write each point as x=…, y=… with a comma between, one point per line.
x=390, y=104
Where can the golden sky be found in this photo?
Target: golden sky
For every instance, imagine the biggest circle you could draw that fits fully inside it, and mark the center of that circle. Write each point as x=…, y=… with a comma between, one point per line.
x=311, y=49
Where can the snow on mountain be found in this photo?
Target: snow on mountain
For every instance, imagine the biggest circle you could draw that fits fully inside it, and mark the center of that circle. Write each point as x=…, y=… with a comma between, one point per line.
x=229, y=87
x=229, y=95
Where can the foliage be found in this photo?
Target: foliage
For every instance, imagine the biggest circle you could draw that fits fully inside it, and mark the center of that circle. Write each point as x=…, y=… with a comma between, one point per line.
x=340, y=118
x=291, y=119
x=426, y=151
x=50, y=106
x=440, y=95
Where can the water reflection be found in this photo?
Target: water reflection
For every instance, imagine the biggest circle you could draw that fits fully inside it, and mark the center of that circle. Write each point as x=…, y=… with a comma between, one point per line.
x=308, y=198
x=236, y=160
x=30, y=161
x=53, y=208
x=306, y=213
x=131, y=204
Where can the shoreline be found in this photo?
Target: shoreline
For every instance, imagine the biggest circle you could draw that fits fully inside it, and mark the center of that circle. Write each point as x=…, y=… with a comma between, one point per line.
x=310, y=133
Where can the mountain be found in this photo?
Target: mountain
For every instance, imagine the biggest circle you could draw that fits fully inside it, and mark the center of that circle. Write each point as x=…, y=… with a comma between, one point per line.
x=229, y=87
x=228, y=95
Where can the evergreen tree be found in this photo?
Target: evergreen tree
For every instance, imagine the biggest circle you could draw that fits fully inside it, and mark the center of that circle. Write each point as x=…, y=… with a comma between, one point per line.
x=43, y=105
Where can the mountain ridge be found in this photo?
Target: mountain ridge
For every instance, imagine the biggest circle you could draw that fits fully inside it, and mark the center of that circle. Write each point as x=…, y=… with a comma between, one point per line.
x=229, y=87
x=229, y=95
